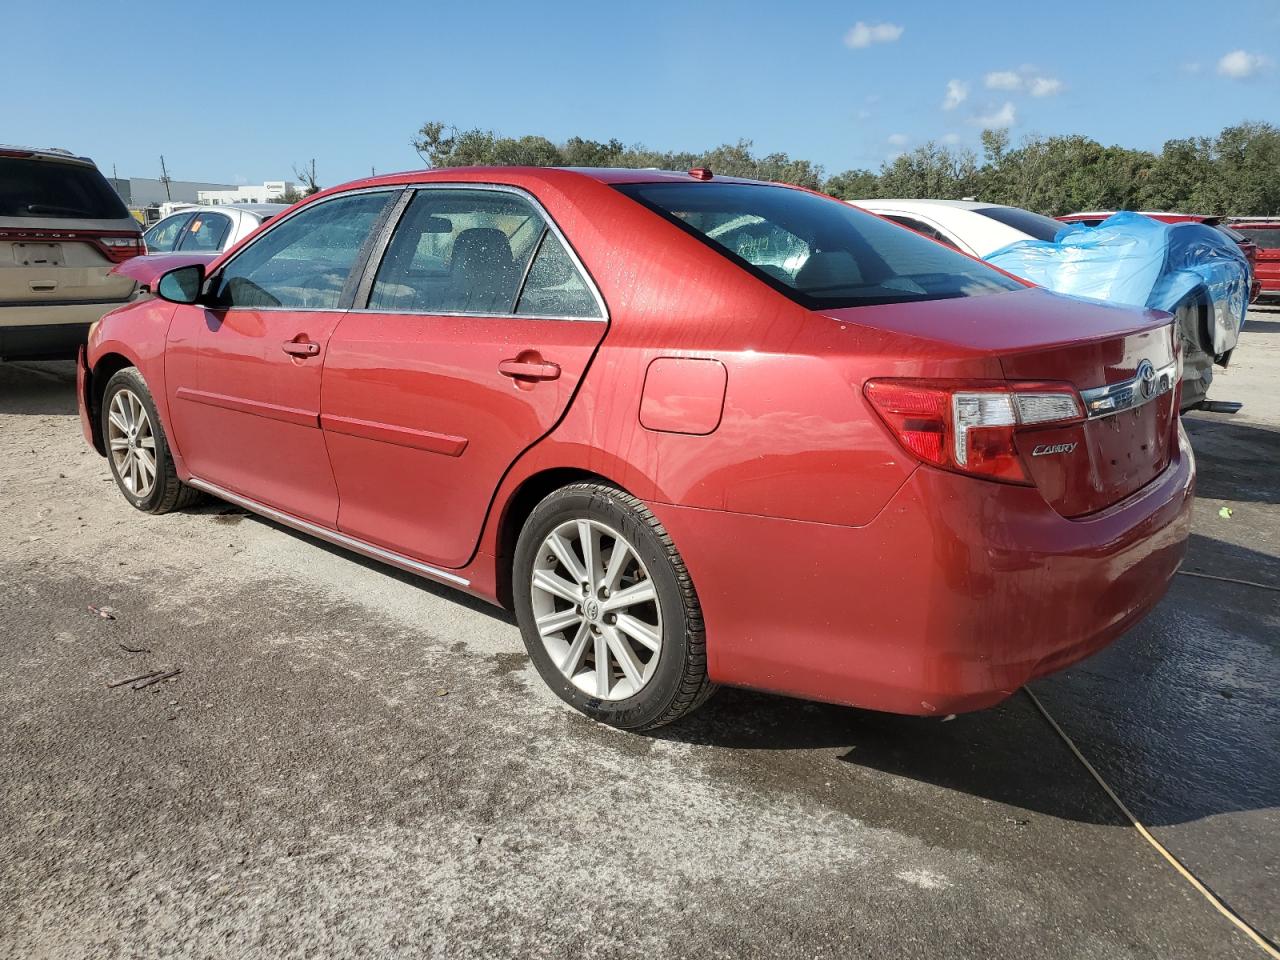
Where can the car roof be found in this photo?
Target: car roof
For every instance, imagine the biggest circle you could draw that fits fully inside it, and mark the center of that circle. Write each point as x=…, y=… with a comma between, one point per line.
x=517, y=174
x=1145, y=213
x=258, y=209
x=44, y=153
x=926, y=204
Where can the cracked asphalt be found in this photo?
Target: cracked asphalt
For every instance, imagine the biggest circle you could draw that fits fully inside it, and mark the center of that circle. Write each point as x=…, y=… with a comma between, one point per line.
x=355, y=763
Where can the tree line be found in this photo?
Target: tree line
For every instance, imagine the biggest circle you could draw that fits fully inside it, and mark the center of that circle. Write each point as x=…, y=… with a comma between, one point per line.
x=1236, y=173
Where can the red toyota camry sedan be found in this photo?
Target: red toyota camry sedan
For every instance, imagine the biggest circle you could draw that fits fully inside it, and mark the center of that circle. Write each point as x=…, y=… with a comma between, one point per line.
x=694, y=430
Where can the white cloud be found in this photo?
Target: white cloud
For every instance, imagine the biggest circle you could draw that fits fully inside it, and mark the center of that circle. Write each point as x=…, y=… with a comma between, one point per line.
x=1240, y=64
x=957, y=93
x=1191, y=67
x=951, y=139
x=1045, y=86
x=1005, y=116
x=1003, y=80
x=864, y=114
x=865, y=34
x=898, y=139
x=1025, y=79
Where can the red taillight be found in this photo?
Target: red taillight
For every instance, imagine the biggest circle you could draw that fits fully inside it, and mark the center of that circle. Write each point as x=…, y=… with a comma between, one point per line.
x=120, y=247
x=970, y=427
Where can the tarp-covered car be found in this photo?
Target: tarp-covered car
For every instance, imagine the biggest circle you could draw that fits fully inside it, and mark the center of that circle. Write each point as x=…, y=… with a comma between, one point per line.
x=1191, y=270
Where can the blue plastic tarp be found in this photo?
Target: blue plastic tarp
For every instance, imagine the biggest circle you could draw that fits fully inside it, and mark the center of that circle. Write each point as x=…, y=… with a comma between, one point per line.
x=1135, y=260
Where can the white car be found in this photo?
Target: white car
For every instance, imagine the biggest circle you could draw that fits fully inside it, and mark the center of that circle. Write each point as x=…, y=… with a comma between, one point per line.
x=978, y=229
x=208, y=229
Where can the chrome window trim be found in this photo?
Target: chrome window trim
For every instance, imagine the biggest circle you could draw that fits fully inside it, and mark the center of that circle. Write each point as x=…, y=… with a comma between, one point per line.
x=1113, y=398
x=332, y=536
x=509, y=315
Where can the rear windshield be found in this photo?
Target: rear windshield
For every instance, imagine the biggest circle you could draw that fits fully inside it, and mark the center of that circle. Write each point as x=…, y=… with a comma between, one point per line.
x=1266, y=237
x=1032, y=224
x=820, y=252
x=50, y=188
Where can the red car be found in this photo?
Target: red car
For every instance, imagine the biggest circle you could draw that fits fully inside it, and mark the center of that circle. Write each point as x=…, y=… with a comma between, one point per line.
x=1246, y=244
x=694, y=430
x=1265, y=235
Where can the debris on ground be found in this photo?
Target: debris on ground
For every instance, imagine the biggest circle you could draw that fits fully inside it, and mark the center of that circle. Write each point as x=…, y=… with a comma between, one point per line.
x=106, y=613
x=167, y=675
x=128, y=649
x=144, y=680
x=141, y=676
x=1224, y=513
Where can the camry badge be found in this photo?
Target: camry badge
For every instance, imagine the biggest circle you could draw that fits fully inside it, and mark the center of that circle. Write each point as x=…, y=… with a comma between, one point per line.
x=1045, y=449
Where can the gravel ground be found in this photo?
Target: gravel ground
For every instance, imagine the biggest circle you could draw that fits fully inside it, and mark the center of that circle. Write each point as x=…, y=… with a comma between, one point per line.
x=357, y=763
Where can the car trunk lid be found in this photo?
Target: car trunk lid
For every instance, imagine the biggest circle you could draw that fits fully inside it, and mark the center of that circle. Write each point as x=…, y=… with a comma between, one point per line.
x=1128, y=384
x=1122, y=362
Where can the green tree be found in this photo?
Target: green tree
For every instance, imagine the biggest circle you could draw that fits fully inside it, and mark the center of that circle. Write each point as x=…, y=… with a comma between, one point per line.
x=1236, y=172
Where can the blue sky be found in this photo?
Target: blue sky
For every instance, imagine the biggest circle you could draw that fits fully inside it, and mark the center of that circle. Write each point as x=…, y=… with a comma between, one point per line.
x=244, y=91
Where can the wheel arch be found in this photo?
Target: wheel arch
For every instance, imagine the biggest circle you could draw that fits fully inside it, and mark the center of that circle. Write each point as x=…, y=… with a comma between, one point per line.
x=108, y=365
x=515, y=511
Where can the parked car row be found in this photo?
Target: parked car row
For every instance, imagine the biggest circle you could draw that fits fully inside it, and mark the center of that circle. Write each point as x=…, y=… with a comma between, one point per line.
x=62, y=230
x=694, y=430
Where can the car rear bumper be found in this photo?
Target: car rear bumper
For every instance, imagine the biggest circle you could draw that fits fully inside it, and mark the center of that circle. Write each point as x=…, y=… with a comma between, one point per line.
x=48, y=331
x=957, y=594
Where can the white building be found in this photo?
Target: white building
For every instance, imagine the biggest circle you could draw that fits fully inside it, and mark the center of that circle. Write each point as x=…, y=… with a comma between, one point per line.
x=269, y=192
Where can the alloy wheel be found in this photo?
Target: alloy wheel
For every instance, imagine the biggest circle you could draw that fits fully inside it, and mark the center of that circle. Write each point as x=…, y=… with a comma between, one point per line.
x=132, y=443
x=596, y=609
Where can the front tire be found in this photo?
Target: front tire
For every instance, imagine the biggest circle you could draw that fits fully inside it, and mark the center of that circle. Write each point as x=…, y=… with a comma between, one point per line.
x=137, y=449
x=607, y=609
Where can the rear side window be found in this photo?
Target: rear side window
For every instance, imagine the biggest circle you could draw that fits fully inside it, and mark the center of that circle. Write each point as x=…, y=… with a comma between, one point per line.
x=1266, y=237
x=51, y=188
x=554, y=287
x=820, y=252
x=162, y=237
x=304, y=261
x=1032, y=224
x=207, y=233
x=478, y=251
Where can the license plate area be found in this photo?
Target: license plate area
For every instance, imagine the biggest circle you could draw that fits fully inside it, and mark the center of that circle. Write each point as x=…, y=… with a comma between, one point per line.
x=37, y=254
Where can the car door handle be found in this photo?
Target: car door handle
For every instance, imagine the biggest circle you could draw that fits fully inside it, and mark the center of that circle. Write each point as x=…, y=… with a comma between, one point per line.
x=300, y=348
x=529, y=370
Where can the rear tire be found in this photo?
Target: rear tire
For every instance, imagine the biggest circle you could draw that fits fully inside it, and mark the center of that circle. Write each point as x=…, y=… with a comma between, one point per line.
x=137, y=448
x=607, y=609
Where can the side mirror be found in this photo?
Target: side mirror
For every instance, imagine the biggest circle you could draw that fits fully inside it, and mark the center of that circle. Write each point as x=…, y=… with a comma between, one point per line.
x=182, y=285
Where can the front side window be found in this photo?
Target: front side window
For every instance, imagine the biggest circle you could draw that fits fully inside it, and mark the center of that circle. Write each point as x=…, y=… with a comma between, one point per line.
x=206, y=234
x=458, y=251
x=162, y=237
x=306, y=260
x=820, y=252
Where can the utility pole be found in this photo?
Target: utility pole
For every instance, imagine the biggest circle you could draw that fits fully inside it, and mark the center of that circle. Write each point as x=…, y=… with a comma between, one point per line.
x=164, y=178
